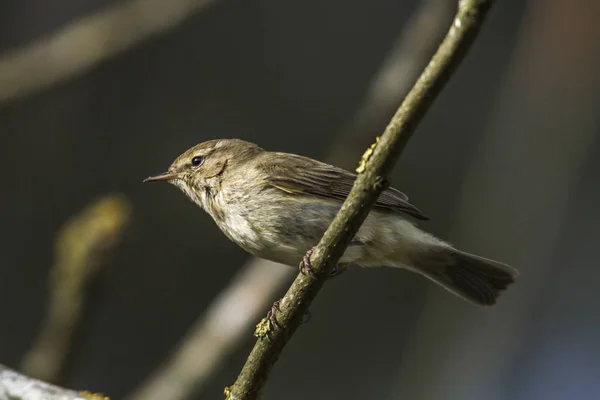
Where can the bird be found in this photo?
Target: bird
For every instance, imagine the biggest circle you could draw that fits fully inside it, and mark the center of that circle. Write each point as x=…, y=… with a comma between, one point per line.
x=277, y=206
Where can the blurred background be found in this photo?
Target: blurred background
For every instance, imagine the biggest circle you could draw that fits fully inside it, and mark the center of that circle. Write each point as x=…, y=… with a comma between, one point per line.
x=97, y=292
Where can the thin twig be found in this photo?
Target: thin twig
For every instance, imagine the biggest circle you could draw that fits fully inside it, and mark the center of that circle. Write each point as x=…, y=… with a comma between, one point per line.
x=363, y=195
x=81, y=248
x=16, y=386
x=89, y=40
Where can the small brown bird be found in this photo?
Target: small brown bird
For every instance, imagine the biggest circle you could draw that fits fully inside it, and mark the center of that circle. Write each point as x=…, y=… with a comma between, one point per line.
x=278, y=205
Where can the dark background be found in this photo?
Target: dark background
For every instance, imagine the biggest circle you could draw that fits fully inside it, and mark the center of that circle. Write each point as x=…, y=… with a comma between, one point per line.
x=507, y=164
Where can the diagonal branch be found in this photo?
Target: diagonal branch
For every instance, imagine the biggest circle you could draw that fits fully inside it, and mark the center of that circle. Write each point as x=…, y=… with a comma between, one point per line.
x=213, y=337
x=376, y=164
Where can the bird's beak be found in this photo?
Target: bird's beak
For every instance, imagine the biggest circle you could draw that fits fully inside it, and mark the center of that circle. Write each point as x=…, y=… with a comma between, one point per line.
x=165, y=176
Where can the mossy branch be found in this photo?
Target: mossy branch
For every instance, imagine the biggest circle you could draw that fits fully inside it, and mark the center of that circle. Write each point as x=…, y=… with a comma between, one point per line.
x=367, y=187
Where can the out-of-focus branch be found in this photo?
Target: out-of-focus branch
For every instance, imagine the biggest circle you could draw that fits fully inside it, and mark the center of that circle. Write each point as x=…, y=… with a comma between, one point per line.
x=407, y=58
x=375, y=166
x=214, y=336
x=16, y=386
x=87, y=41
x=82, y=245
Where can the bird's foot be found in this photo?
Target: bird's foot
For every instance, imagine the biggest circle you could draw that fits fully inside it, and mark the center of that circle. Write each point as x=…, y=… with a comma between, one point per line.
x=307, y=269
x=271, y=320
x=306, y=266
x=271, y=315
x=266, y=325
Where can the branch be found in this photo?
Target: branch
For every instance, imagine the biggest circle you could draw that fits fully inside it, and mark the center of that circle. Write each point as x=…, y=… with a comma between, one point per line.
x=227, y=319
x=81, y=248
x=15, y=386
x=89, y=40
x=375, y=166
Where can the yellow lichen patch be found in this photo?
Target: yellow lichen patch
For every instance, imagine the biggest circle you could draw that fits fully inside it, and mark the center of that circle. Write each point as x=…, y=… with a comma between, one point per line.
x=365, y=157
x=227, y=392
x=94, y=396
x=262, y=328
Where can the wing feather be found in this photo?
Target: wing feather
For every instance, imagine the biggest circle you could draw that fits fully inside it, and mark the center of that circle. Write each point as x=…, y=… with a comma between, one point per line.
x=301, y=175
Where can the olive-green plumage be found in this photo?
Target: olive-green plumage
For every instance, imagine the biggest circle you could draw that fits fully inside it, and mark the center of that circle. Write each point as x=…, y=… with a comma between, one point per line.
x=278, y=205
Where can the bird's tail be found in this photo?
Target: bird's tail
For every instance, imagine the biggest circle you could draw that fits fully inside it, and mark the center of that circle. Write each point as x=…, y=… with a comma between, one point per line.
x=476, y=279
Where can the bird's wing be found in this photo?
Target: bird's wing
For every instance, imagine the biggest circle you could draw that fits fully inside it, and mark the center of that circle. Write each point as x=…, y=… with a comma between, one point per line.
x=301, y=175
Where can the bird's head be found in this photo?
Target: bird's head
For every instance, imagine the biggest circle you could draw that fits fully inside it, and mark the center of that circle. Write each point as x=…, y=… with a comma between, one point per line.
x=202, y=168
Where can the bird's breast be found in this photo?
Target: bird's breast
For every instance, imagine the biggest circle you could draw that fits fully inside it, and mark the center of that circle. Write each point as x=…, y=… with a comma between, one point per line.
x=267, y=225
x=233, y=216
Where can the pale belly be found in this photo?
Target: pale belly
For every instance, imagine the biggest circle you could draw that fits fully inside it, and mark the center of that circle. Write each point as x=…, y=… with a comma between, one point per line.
x=283, y=232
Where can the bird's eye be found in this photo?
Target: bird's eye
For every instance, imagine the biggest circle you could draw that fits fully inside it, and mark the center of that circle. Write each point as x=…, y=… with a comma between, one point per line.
x=197, y=161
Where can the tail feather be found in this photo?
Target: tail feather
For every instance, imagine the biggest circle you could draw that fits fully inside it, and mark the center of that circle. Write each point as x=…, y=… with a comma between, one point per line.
x=471, y=277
